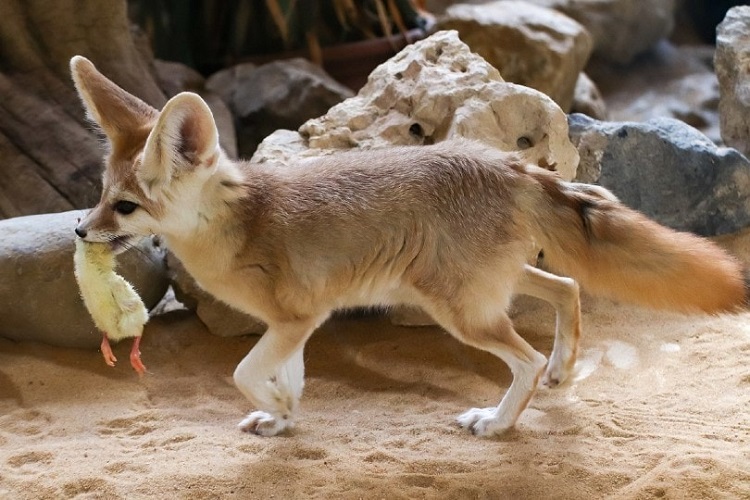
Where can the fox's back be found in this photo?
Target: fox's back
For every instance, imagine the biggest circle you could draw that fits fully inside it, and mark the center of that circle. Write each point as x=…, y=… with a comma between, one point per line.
x=456, y=184
x=375, y=216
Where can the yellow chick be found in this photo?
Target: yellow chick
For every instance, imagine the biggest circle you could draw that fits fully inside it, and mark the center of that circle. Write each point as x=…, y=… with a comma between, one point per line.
x=113, y=303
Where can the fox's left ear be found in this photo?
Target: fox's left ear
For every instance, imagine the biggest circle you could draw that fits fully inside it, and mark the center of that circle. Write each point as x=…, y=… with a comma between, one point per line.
x=184, y=138
x=120, y=114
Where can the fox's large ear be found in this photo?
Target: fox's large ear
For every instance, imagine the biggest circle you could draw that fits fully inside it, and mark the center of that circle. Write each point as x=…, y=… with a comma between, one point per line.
x=184, y=137
x=117, y=112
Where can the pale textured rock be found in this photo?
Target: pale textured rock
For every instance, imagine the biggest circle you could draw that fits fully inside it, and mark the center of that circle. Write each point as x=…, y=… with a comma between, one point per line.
x=434, y=90
x=219, y=318
x=621, y=29
x=39, y=297
x=530, y=45
x=278, y=95
x=732, y=62
x=174, y=77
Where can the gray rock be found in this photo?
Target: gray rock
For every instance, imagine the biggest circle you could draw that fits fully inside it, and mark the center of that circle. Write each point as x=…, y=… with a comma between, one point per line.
x=39, y=297
x=668, y=170
x=732, y=61
x=219, y=318
x=278, y=95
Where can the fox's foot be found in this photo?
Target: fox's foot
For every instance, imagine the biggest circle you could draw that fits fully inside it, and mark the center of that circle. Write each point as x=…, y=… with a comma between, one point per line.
x=264, y=424
x=559, y=368
x=484, y=421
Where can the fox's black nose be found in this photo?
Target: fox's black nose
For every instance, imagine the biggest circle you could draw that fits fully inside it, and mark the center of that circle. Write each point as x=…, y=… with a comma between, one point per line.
x=81, y=232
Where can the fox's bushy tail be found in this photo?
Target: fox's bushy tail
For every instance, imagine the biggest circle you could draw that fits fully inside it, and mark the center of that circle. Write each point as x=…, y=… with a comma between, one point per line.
x=615, y=251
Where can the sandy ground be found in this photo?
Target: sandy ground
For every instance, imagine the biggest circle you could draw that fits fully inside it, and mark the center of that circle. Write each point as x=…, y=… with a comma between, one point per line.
x=660, y=407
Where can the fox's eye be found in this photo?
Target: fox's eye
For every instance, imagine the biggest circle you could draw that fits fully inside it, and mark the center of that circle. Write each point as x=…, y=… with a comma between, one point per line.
x=124, y=207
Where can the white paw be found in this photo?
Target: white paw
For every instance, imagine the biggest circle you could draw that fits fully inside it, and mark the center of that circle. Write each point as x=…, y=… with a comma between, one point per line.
x=264, y=424
x=555, y=375
x=558, y=370
x=483, y=422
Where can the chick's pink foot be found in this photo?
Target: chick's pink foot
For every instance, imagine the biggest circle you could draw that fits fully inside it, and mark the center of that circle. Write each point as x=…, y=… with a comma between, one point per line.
x=109, y=356
x=135, y=357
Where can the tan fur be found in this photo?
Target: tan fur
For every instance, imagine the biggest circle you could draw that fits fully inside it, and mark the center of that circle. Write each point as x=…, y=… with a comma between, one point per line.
x=615, y=251
x=449, y=228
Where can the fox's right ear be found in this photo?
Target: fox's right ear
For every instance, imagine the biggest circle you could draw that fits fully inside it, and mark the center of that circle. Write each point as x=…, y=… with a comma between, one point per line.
x=117, y=112
x=184, y=138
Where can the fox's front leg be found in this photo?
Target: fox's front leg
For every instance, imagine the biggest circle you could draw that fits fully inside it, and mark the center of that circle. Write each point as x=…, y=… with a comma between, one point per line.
x=271, y=376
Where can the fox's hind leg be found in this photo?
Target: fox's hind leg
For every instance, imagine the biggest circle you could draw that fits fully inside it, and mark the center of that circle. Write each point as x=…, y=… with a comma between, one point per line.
x=271, y=376
x=525, y=364
x=486, y=326
x=563, y=294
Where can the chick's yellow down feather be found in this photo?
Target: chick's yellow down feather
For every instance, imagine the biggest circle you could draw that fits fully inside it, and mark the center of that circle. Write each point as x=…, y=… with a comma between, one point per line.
x=113, y=303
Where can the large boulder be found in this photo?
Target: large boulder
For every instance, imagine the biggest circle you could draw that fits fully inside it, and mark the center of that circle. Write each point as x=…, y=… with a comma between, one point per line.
x=621, y=29
x=530, y=45
x=434, y=90
x=277, y=95
x=732, y=62
x=668, y=170
x=39, y=297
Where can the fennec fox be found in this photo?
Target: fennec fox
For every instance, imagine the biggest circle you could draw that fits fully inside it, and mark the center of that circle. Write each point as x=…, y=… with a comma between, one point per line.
x=449, y=228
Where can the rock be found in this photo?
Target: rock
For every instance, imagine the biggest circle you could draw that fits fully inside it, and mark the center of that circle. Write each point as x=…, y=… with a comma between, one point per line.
x=434, y=90
x=278, y=95
x=621, y=29
x=530, y=45
x=587, y=99
x=732, y=62
x=51, y=160
x=671, y=81
x=219, y=318
x=669, y=171
x=39, y=297
x=174, y=77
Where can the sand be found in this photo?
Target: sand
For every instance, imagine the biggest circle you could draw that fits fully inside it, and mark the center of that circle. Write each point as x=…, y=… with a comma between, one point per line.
x=659, y=408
